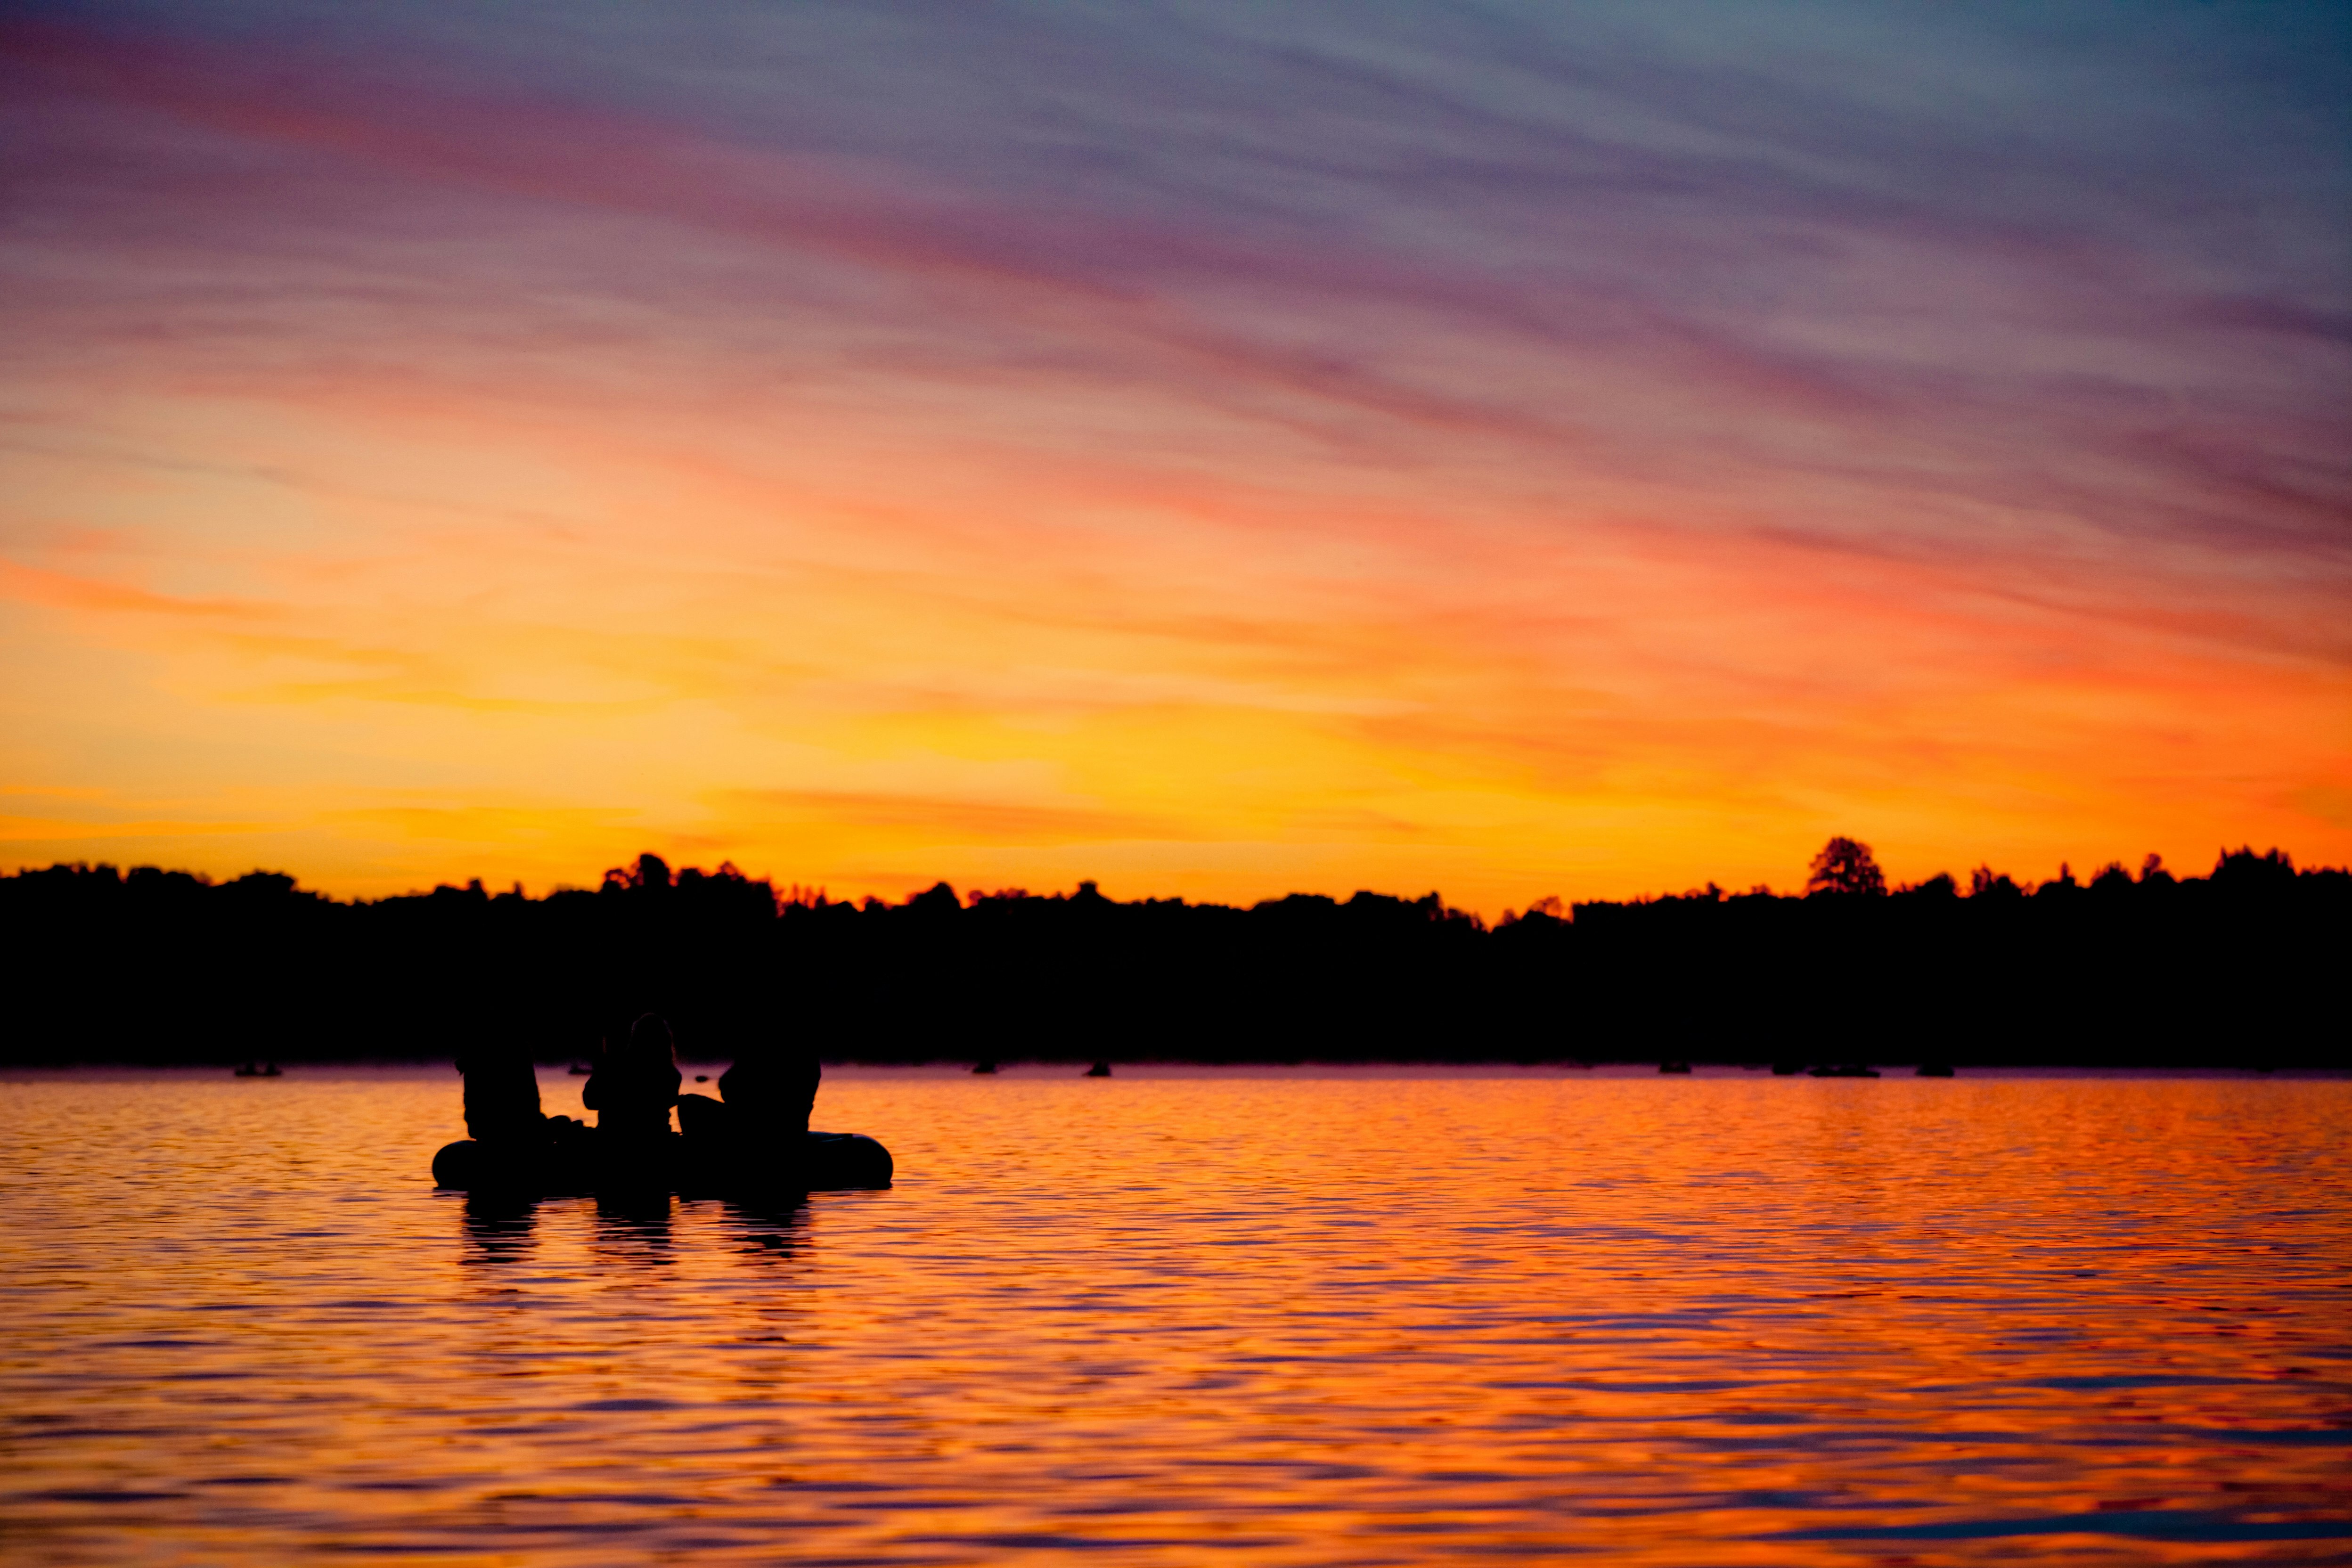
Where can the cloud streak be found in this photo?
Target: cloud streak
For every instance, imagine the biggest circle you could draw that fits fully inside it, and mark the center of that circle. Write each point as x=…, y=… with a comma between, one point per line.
x=1611, y=446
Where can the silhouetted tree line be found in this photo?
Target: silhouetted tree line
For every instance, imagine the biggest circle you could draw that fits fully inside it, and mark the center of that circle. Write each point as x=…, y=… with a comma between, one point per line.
x=2241, y=967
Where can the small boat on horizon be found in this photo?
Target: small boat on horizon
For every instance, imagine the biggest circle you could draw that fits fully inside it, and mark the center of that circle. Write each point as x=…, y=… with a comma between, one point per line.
x=251, y=1069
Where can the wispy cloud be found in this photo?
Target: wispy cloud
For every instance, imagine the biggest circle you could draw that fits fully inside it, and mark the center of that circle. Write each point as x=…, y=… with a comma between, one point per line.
x=1624, y=438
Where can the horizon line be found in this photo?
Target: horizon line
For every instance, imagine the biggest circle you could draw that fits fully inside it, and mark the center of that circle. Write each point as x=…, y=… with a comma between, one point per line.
x=797, y=894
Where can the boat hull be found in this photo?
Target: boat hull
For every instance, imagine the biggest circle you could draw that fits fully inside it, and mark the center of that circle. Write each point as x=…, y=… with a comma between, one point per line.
x=819, y=1162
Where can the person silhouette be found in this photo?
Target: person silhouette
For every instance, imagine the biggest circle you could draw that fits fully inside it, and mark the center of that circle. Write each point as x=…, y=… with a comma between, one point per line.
x=759, y=1125
x=501, y=1096
x=634, y=1086
x=773, y=1091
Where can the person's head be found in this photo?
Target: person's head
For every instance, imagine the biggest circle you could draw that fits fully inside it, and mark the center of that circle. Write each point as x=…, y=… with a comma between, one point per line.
x=748, y=1082
x=650, y=1040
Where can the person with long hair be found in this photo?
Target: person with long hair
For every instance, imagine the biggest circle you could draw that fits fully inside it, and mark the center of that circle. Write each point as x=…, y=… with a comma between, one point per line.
x=501, y=1096
x=635, y=1085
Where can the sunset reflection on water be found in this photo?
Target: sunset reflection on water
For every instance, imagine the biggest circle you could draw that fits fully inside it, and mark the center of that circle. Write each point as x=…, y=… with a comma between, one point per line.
x=1170, y=1318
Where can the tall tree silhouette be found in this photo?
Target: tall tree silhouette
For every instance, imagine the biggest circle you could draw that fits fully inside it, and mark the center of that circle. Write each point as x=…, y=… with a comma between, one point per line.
x=1845, y=866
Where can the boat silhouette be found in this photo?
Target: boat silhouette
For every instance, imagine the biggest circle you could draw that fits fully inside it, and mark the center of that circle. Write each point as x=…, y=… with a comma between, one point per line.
x=589, y=1162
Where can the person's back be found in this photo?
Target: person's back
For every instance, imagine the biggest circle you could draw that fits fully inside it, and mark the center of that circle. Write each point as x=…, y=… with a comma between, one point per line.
x=758, y=1129
x=771, y=1094
x=632, y=1089
x=501, y=1096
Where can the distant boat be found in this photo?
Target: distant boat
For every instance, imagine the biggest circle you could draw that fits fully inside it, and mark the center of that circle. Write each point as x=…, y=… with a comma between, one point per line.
x=1674, y=1067
x=1100, y=1069
x=983, y=1067
x=1852, y=1069
x=252, y=1071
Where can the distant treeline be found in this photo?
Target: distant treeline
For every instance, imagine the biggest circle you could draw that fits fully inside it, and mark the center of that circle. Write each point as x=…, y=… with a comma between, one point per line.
x=2243, y=967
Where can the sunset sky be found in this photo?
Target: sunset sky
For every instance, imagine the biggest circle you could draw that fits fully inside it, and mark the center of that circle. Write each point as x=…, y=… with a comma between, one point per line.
x=1218, y=449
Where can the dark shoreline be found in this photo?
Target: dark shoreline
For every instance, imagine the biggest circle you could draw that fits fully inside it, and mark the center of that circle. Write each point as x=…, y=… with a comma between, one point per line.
x=2243, y=968
x=1033, y=1069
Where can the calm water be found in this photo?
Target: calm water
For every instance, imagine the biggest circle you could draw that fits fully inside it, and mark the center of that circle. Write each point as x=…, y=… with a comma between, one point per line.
x=1199, y=1319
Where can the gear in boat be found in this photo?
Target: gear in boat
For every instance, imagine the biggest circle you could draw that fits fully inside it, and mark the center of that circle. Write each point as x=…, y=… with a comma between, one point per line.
x=586, y=1162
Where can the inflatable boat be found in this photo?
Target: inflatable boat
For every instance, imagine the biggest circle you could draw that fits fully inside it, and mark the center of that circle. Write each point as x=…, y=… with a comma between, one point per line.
x=819, y=1163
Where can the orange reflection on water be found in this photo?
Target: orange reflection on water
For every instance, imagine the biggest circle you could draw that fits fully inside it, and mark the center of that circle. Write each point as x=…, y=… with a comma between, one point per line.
x=1282, y=1319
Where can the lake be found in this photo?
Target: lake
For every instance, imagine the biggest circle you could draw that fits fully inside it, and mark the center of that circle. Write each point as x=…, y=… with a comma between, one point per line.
x=1175, y=1316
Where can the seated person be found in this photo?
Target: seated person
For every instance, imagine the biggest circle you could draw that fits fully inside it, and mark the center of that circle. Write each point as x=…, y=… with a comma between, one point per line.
x=773, y=1091
x=765, y=1097
x=634, y=1086
x=501, y=1096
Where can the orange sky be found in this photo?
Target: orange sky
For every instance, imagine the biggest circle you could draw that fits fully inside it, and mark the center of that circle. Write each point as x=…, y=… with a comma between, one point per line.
x=431, y=455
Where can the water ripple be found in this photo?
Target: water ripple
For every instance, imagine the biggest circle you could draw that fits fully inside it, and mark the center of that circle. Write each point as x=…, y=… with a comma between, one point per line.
x=1301, y=1319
